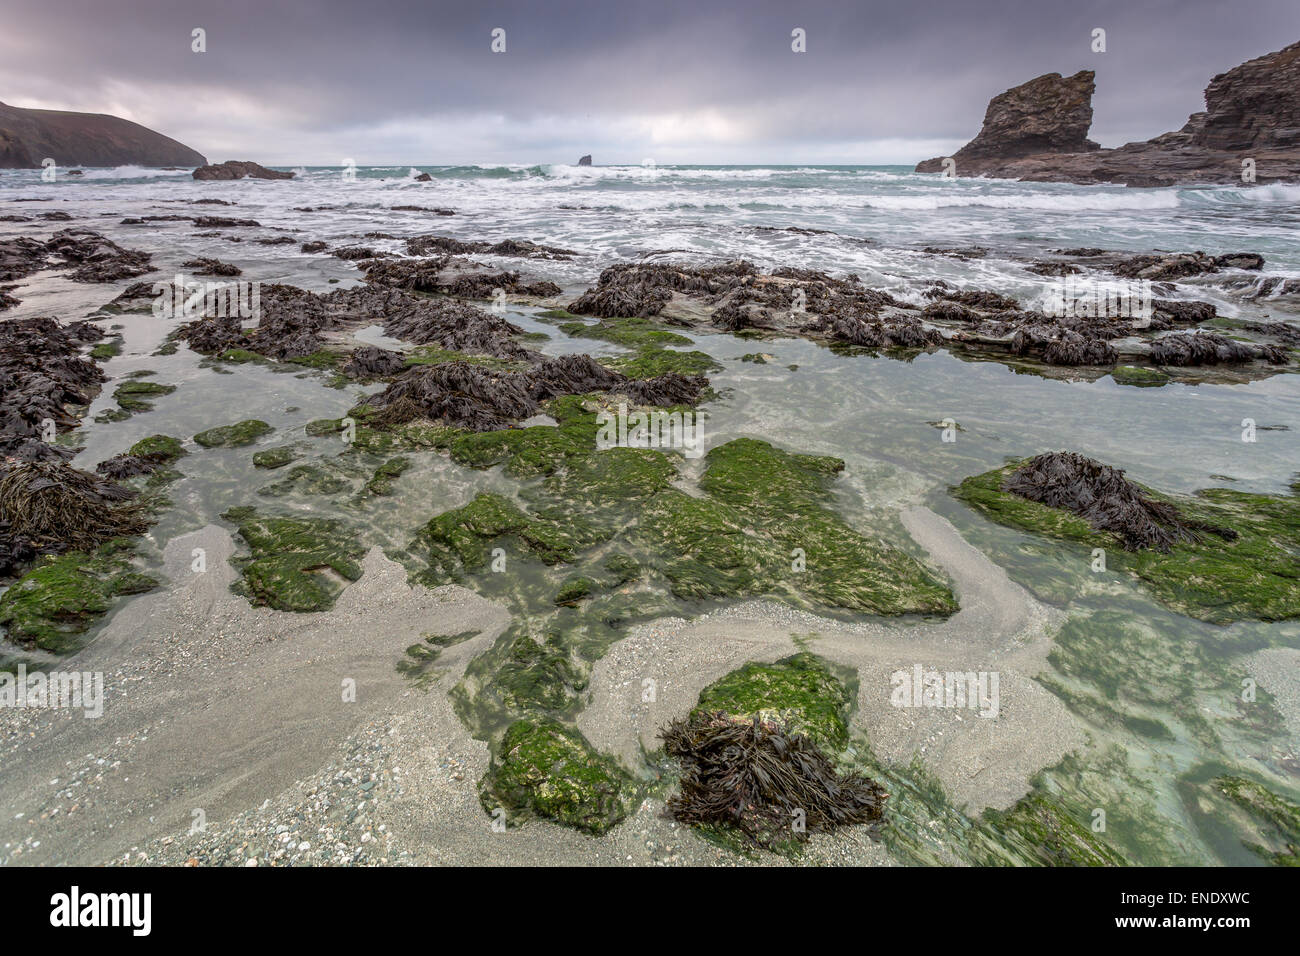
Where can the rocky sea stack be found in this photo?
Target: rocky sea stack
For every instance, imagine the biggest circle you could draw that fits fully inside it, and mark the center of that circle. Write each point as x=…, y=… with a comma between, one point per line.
x=27, y=137
x=239, y=169
x=1249, y=132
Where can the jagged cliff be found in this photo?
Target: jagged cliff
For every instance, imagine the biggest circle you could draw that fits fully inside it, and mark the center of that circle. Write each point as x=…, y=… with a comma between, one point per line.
x=84, y=139
x=1038, y=131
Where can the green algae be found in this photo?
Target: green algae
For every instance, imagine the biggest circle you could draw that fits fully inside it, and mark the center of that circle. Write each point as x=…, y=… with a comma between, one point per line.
x=1119, y=670
x=1255, y=577
x=295, y=564
x=1055, y=824
x=545, y=770
x=1247, y=820
x=386, y=476
x=804, y=692
x=309, y=480
x=106, y=350
x=132, y=396
x=320, y=359
x=1139, y=377
x=1275, y=815
x=240, y=356
x=61, y=597
x=161, y=448
x=631, y=333
x=459, y=540
x=766, y=525
x=275, y=457
x=575, y=588
x=653, y=361
x=233, y=436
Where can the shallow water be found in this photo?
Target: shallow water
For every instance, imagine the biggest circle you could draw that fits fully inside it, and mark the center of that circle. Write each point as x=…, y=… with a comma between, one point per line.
x=875, y=412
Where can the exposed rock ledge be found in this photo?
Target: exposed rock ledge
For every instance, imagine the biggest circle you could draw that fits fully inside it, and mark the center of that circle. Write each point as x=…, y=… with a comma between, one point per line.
x=84, y=139
x=1037, y=132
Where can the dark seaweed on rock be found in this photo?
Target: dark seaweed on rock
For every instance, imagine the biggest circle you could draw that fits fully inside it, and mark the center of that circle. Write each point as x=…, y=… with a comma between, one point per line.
x=1107, y=500
x=757, y=777
x=56, y=507
x=1210, y=348
x=477, y=398
x=870, y=331
x=373, y=362
x=97, y=259
x=42, y=372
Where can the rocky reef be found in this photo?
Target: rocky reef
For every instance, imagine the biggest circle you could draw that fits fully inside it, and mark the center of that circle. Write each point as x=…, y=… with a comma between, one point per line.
x=1037, y=132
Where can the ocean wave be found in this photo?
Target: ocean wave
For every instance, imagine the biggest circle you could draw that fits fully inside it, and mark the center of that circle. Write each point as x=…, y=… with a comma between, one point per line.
x=132, y=172
x=1046, y=202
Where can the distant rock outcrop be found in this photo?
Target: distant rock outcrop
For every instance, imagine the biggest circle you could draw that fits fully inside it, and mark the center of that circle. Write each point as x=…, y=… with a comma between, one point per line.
x=1037, y=131
x=239, y=169
x=27, y=137
x=585, y=161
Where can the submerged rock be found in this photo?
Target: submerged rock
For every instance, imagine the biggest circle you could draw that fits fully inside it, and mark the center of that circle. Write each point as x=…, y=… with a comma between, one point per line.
x=295, y=564
x=545, y=770
x=1230, y=555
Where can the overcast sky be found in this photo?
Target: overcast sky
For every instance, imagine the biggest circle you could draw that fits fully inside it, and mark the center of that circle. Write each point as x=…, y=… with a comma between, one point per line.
x=677, y=81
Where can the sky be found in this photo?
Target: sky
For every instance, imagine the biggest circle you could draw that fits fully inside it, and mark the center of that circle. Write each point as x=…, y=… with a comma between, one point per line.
x=671, y=81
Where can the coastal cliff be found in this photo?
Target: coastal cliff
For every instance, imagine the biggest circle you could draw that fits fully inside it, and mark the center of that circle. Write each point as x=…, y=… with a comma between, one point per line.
x=84, y=139
x=1249, y=132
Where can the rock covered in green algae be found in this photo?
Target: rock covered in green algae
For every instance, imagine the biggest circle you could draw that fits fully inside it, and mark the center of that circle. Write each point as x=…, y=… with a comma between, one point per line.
x=1049, y=826
x=133, y=396
x=1256, y=576
x=804, y=692
x=766, y=525
x=460, y=539
x=1233, y=808
x=1120, y=670
x=160, y=448
x=296, y=564
x=274, y=457
x=1051, y=834
x=1139, y=377
x=538, y=676
x=234, y=436
x=573, y=589
x=61, y=597
x=545, y=770
x=387, y=474
x=307, y=479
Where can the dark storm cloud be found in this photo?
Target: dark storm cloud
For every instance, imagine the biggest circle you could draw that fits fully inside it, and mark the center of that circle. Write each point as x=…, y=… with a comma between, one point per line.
x=387, y=81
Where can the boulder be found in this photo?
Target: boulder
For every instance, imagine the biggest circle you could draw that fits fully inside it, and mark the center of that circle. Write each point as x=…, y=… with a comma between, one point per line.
x=585, y=161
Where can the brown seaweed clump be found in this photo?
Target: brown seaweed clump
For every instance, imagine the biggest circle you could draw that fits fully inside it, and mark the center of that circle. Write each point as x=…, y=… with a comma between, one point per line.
x=1210, y=348
x=756, y=776
x=55, y=507
x=482, y=399
x=42, y=373
x=1107, y=500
